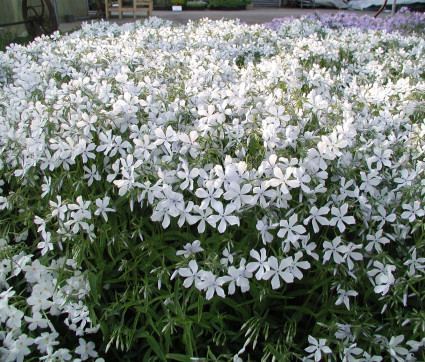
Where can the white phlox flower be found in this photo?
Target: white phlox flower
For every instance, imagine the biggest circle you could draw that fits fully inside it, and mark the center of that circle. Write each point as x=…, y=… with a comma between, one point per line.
x=339, y=217
x=415, y=264
x=190, y=249
x=212, y=284
x=263, y=226
x=376, y=241
x=238, y=277
x=395, y=350
x=382, y=216
x=413, y=211
x=383, y=277
x=278, y=270
x=102, y=207
x=261, y=265
x=317, y=347
x=343, y=296
x=224, y=217
x=228, y=255
x=351, y=352
x=237, y=195
x=290, y=230
x=296, y=265
x=335, y=250
x=86, y=349
x=317, y=217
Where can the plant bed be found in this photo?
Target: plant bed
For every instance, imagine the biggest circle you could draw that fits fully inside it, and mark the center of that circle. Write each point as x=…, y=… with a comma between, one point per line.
x=214, y=191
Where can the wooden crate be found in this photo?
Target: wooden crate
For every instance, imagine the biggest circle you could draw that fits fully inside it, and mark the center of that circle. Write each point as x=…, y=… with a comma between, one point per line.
x=132, y=5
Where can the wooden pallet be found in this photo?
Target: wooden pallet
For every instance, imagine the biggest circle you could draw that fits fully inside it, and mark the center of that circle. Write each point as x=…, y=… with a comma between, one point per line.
x=134, y=6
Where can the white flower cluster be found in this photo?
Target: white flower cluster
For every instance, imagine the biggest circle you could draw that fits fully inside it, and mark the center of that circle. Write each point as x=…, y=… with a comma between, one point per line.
x=316, y=134
x=46, y=299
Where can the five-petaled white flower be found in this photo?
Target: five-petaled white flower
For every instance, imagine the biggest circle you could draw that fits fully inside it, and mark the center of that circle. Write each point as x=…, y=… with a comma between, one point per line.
x=86, y=349
x=340, y=218
x=102, y=207
x=190, y=249
x=343, y=297
x=278, y=270
x=224, y=216
x=317, y=347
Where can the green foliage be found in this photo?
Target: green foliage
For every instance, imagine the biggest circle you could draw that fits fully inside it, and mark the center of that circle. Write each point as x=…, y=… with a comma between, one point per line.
x=227, y=4
x=196, y=5
x=177, y=2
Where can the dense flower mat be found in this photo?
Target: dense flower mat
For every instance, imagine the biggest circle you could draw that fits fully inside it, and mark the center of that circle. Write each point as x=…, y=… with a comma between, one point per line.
x=214, y=190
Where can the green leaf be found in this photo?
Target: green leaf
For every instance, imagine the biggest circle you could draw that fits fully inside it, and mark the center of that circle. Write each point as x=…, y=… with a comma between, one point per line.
x=177, y=357
x=156, y=348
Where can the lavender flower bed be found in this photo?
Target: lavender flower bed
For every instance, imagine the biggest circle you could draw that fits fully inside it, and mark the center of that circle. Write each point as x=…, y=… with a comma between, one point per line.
x=404, y=21
x=213, y=191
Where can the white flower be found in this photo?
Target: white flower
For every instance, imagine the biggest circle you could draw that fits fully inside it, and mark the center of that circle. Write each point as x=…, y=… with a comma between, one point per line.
x=261, y=265
x=344, y=333
x=263, y=227
x=350, y=352
x=209, y=196
x=375, y=241
x=45, y=245
x=382, y=216
x=46, y=341
x=412, y=211
x=62, y=354
x=190, y=249
x=296, y=265
x=340, y=218
x=86, y=350
x=170, y=206
x=368, y=358
x=383, y=277
x=39, y=300
x=284, y=180
x=316, y=216
x=191, y=274
x=212, y=284
x=14, y=319
x=263, y=195
x=102, y=207
x=335, y=250
x=91, y=174
x=189, y=143
x=59, y=209
x=415, y=264
x=36, y=321
x=239, y=277
x=352, y=254
x=187, y=176
x=290, y=230
x=224, y=216
x=202, y=217
x=227, y=256
x=343, y=297
x=19, y=348
x=34, y=272
x=397, y=352
x=380, y=157
x=238, y=195
x=278, y=270
x=317, y=347
x=370, y=181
